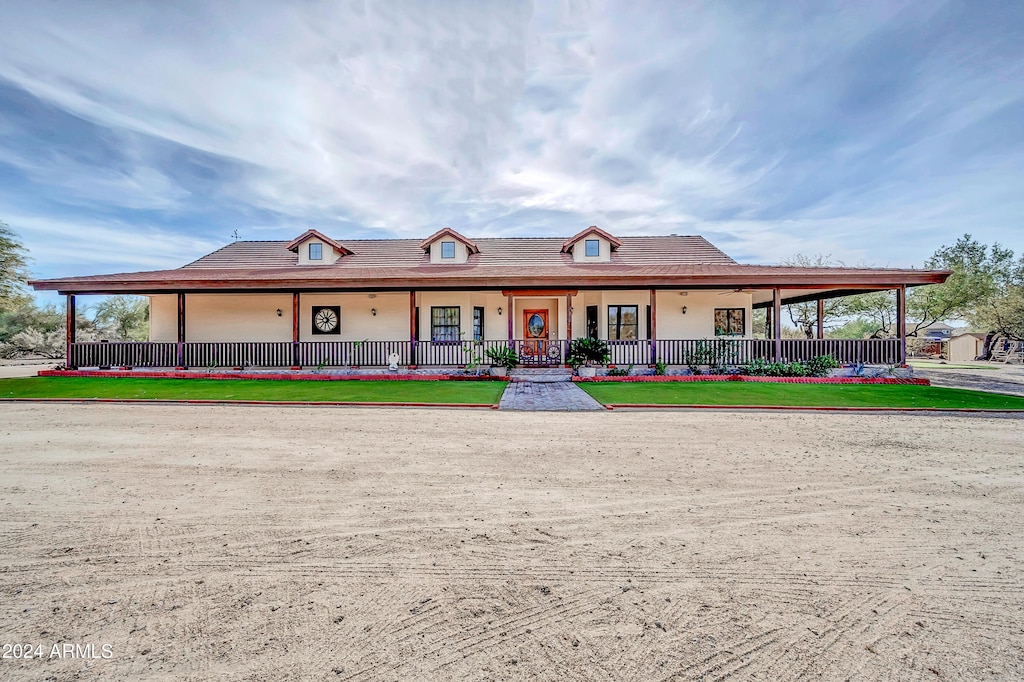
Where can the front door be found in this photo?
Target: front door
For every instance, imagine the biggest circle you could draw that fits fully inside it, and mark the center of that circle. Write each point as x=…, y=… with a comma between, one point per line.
x=536, y=334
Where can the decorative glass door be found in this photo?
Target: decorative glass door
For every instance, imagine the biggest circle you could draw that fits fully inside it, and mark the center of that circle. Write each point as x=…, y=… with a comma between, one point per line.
x=535, y=333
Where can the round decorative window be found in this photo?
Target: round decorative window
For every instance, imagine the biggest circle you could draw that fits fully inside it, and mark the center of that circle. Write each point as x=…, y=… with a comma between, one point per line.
x=535, y=325
x=326, y=319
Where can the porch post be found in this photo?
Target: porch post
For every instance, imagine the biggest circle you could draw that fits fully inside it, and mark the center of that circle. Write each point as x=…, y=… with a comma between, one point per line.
x=181, y=330
x=70, y=336
x=568, y=327
x=777, y=322
x=510, y=311
x=295, y=331
x=568, y=316
x=652, y=333
x=821, y=318
x=413, y=322
x=901, y=322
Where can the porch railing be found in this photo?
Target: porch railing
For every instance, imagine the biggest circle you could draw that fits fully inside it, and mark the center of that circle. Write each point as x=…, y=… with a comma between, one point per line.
x=352, y=353
x=440, y=353
x=868, y=351
x=702, y=351
x=124, y=354
x=238, y=354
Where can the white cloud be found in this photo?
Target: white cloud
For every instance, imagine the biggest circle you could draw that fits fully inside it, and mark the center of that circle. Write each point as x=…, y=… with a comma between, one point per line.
x=404, y=116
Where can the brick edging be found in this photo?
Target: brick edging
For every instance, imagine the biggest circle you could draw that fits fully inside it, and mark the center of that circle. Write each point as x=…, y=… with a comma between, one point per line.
x=811, y=408
x=172, y=374
x=279, y=403
x=767, y=380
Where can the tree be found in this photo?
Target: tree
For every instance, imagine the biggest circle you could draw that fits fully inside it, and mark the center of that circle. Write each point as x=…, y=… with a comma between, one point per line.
x=979, y=274
x=13, y=270
x=1003, y=313
x=41, y=332
x=123, y=317
x=804, y=316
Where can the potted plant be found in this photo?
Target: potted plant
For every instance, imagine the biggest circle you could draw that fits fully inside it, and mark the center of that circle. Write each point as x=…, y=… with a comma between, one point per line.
x=585, y=353
x=502, y=360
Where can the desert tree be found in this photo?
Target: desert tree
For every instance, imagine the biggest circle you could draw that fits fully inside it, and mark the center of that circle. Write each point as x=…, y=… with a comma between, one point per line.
x=13, y=270
x=123, y=317
x=804, y=316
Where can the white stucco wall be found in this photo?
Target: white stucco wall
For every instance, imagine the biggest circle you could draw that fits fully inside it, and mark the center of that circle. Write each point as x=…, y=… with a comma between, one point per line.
x=223, y=317
x=699, y=320
x=391, y=323
x=495, y=325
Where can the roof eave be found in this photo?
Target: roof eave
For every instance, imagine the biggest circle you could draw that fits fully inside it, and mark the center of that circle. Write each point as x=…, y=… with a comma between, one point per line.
x=852, y=281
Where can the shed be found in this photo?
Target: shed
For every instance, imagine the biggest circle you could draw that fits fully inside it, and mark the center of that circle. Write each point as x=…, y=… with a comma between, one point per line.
x=965, y=347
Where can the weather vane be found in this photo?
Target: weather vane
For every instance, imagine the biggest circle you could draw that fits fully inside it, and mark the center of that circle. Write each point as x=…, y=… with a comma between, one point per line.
x=236, y=235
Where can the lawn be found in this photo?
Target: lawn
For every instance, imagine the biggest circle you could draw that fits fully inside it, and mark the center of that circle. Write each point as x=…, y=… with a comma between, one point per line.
x=803, y=395
x=461, y=392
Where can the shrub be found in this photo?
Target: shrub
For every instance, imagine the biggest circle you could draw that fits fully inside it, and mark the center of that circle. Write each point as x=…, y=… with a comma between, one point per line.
x=619, y=372
x=821, y=365
x=588, y=351
x=503, y=356
x=815, y=367
x=660, y=368
x=714, y=354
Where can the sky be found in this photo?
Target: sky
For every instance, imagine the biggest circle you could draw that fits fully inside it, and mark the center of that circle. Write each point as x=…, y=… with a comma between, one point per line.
x=139, y=136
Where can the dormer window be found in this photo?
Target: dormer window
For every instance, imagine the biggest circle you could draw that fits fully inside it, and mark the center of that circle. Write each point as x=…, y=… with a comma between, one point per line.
x=597, y=246
x=310, y=248
x=449, y=247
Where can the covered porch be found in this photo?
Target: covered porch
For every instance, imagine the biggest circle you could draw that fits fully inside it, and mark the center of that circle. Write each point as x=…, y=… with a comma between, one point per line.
x=437, y=328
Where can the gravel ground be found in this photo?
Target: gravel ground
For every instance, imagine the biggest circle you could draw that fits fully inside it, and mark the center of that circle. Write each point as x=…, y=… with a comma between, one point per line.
x=263, y=543
x=1002, y=379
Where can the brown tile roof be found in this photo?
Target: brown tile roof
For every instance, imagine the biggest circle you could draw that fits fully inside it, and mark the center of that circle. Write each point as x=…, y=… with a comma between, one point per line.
x=519, y=262
x=514, y=251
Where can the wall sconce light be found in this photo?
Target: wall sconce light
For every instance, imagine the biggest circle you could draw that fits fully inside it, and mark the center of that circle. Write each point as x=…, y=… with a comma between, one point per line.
x=373, y=311
x=499, y=311
x=684, y=310
x=279, y=312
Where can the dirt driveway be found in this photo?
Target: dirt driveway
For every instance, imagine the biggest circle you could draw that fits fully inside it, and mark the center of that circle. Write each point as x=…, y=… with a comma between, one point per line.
x=353, y=544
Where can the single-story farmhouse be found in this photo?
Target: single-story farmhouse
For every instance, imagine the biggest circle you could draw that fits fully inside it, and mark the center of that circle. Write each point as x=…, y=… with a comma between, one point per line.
x=441, y=301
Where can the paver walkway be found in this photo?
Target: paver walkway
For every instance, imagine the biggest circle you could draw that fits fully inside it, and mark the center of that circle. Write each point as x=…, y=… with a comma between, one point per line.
x=563, y=396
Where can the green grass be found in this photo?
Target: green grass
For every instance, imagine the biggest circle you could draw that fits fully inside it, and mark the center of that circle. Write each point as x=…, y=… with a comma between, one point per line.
x=802, y=395
x=254, y=389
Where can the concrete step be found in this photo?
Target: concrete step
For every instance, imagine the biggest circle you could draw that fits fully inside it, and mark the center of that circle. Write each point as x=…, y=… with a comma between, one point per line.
x=540, y=374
